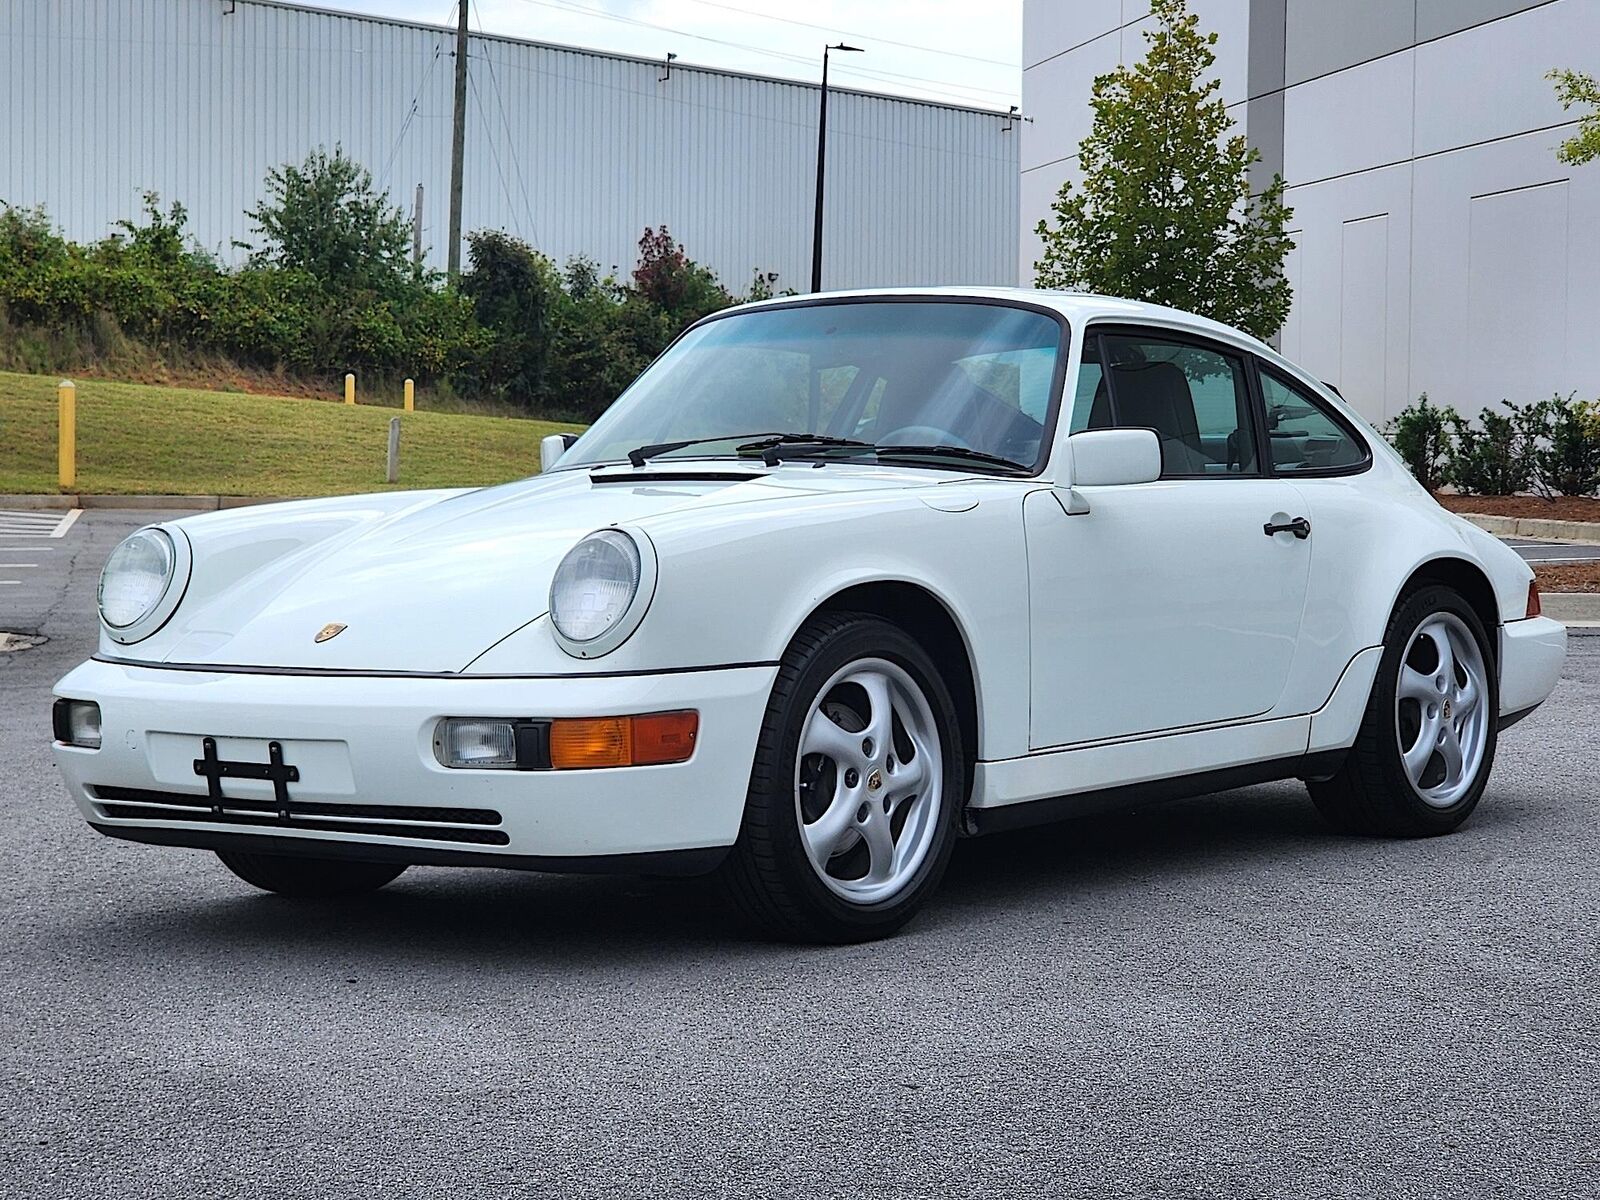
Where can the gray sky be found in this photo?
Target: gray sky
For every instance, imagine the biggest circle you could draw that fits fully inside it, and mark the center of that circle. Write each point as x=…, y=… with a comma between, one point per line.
x=960, y=51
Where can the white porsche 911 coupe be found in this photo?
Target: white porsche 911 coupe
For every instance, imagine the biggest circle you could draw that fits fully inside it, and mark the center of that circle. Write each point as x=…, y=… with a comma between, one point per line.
x=838, y=580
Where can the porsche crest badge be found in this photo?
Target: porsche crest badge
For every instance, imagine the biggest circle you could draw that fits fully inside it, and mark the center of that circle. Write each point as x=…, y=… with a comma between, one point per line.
x=331, y=630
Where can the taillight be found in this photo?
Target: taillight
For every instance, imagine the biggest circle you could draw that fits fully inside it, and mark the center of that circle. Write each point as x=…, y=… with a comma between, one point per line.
x=1533, y=598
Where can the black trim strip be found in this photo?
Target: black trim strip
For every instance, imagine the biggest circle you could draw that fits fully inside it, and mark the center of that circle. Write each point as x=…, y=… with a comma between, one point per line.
x=356, y=673
x=1510, y=719
x=645, y=477
x=1157, y=791
x=697, y=861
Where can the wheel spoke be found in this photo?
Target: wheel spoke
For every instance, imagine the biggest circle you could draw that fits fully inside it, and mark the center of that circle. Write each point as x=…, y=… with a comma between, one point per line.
x=824, y=834
x=1416, y=758
x=1414, y=685
x=1439, y=632
x=880, y=707
x=880, y=845
x=908, y=778
x=824, y=736
x=1454, y=760
x=1467, y=698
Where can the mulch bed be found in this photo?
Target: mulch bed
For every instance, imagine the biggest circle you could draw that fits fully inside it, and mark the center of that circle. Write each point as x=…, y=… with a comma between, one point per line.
x=1562, y=508
x=1568, y=577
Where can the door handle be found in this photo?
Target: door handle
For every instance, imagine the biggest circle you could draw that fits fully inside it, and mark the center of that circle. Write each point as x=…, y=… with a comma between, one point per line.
x=1300, y=527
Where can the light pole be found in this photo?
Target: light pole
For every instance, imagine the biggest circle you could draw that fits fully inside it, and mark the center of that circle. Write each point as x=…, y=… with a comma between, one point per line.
x=822, y=162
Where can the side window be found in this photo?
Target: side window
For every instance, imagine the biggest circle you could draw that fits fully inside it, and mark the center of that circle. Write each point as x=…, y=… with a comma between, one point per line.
x=1196, y=399
x=1302, y=434
x=1090, y=390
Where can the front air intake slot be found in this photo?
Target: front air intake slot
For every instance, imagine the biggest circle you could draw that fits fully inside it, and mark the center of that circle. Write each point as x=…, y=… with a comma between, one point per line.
x=378, y=820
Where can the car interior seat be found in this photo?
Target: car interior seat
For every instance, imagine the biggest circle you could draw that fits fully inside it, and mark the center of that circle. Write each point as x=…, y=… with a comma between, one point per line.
x=1155, y=395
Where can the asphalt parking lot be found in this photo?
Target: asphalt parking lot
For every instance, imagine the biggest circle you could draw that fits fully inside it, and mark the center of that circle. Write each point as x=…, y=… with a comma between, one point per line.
x=1212, y=998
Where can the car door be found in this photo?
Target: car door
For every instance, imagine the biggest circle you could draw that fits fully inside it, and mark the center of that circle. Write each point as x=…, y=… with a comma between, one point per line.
x=1168, y=604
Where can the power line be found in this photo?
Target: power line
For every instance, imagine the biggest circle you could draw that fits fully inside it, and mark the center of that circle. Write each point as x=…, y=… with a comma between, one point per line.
x=572, y=6
x=411, y=112
x=488, y=137
x=733, y=8
x=511, y=138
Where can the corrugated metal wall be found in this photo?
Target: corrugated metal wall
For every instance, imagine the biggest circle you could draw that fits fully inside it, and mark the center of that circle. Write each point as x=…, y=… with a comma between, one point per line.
x=574, y=151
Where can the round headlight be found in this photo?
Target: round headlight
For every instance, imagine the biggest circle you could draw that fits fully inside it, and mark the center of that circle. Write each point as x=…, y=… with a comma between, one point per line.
x=595, y=586
x=136, y=577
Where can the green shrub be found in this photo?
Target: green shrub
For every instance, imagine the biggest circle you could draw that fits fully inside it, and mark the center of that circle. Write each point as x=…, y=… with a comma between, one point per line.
x=331, y=288
x=1421, y=436
x=1495, y=458
x=1567, y=452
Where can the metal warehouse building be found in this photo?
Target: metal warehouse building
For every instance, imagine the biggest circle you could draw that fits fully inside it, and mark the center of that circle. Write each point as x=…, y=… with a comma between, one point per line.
x=573, y=150
x=1440, y=244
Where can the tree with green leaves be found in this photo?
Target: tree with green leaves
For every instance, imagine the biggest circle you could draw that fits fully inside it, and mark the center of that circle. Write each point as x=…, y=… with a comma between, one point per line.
x=1575, y=89
x=326, y=218
x=1165, y=211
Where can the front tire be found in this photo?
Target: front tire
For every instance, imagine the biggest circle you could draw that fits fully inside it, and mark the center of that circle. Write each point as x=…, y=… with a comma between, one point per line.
x=1427, y=741
x=309, y=878
x=856, y=789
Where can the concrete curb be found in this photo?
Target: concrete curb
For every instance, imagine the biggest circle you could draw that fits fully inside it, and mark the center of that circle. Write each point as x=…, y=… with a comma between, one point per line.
x=69, y=500
x=1571, y=608
x=1536, y=527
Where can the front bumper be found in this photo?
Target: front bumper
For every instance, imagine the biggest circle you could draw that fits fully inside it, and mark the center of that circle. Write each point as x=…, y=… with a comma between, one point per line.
x=368, y=784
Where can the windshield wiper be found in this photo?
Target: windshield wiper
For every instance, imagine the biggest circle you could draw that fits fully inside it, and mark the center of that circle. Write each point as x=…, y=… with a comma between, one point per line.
x=640, y=454
x=795, y=445
x=954, y=452
x=761, y=443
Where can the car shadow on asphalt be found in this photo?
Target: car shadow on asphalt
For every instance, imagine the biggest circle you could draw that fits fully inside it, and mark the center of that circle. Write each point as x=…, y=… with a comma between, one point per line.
x=455, y=915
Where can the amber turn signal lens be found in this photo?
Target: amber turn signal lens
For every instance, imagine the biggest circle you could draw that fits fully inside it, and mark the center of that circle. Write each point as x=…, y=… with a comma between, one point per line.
x=622, y=741
x=1533, y=598
x=665, y=737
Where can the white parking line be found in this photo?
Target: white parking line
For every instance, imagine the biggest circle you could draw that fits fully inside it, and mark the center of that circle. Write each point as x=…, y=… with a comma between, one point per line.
x=36, y=524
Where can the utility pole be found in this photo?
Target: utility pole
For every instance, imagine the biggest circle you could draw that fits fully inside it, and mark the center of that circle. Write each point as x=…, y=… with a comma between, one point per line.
x=416, y=230
x=458, y=141
x=822, y=162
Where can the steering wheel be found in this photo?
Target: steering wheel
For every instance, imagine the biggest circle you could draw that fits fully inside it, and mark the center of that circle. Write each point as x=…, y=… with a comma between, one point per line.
x=924, y=435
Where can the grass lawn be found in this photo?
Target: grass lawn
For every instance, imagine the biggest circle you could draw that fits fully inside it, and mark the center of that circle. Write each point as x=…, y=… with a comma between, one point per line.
x=136, y=438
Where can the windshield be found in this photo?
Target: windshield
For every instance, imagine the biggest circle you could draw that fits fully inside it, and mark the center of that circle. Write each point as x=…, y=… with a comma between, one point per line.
x=975, y=376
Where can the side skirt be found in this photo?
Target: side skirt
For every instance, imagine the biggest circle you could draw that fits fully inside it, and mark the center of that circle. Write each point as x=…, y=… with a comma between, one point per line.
x=661, y=862
x=1156, y=791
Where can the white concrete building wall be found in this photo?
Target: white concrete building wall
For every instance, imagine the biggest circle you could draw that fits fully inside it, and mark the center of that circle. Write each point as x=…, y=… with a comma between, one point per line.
x=1440, y=244
x=572, y=150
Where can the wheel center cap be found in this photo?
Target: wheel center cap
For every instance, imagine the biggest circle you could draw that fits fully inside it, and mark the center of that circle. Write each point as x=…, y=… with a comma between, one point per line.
x=1447, y=709
x=875, y=780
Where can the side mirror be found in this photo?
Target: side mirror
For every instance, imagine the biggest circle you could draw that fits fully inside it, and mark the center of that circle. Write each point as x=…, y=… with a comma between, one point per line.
x=553, y=447
x=1104, y=457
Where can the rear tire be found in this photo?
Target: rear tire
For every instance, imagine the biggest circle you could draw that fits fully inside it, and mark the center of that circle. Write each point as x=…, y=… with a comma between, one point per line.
x=856, y=790
x=1426, y=746
x=309, y=878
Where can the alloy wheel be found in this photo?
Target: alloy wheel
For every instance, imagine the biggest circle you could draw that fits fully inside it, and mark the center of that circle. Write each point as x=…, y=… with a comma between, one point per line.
x=869, y=781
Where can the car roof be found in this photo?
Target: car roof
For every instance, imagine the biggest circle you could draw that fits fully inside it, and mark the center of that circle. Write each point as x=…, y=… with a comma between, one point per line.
x=1079, y=308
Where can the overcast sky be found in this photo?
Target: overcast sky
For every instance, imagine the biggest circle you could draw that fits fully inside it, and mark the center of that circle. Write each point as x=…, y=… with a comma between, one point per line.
x=961, y=51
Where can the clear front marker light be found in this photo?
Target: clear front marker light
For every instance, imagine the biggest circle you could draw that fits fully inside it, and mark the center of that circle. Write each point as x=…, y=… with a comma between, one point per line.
x=595, y=585
x=136, y=577
x=475, y=743
x=77, y=723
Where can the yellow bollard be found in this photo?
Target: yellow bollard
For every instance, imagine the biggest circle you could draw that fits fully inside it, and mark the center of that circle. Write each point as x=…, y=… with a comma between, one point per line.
x=67, y=434
x=349, y=389
x=411, y=396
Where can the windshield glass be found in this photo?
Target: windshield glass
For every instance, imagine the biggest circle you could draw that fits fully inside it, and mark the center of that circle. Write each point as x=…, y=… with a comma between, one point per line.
x=976, y=376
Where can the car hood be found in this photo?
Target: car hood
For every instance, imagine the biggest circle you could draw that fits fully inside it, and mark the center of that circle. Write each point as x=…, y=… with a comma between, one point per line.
x=431, y=587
